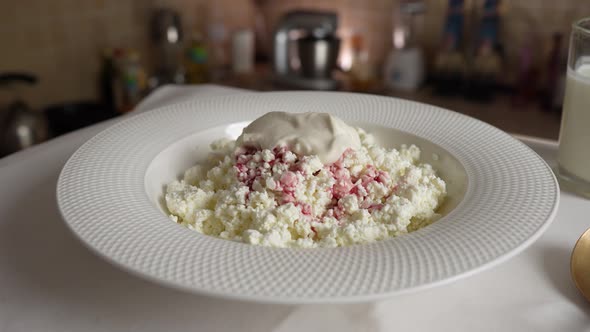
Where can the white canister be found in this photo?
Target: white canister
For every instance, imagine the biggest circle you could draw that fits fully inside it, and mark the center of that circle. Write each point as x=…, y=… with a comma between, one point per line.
x=243, y=51
x=404, y=69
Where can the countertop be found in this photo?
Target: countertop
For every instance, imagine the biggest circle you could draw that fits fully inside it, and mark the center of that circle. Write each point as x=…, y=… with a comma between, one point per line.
x=51, y=282
x=526, y=118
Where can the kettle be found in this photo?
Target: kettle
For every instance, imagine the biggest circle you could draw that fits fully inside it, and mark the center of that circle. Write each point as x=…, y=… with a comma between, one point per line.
x=20, y=126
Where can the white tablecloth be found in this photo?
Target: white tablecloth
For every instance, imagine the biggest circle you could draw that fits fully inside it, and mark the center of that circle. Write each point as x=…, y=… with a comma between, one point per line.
x=50, y=282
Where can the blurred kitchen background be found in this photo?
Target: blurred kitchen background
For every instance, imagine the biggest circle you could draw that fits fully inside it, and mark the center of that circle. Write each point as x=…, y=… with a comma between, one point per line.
x=66, y=64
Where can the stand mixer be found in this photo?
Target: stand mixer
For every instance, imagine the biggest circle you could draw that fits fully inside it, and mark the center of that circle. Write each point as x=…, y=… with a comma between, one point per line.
x=306, y=49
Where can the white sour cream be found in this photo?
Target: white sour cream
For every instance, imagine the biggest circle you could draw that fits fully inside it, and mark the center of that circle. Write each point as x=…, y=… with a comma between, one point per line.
x=309, y=133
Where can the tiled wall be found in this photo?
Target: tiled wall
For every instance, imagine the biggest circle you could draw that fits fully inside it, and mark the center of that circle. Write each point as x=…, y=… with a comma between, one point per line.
x=60, y=40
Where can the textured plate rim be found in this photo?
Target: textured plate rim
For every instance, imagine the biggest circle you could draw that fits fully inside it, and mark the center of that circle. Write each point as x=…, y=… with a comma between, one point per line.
x=290, y=300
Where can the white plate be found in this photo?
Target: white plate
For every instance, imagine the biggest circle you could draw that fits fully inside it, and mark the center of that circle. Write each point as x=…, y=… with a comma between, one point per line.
x=502, y=197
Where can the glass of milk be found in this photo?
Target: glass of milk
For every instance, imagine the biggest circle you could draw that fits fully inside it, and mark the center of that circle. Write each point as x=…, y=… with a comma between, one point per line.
x=574, y=136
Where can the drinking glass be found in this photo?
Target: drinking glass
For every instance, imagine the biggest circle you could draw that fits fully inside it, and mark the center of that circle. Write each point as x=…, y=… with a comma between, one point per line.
x=574, y=136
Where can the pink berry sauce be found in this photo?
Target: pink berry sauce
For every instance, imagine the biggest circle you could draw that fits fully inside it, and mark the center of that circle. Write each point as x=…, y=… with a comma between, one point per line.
x=250, y=165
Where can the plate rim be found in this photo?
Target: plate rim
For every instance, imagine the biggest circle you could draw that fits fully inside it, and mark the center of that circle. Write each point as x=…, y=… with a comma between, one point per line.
x=307, y=300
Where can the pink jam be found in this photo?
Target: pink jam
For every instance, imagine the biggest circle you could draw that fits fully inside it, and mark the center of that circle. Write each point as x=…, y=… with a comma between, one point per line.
x=249, y=169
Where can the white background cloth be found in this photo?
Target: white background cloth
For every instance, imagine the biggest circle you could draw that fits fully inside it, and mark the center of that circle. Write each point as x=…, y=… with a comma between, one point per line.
x=50, y=282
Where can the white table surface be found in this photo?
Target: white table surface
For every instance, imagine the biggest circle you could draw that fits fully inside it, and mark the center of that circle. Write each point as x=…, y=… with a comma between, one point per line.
x=50, y=282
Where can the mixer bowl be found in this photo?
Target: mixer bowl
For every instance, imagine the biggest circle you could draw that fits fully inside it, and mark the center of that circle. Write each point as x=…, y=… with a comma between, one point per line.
x=318, y=56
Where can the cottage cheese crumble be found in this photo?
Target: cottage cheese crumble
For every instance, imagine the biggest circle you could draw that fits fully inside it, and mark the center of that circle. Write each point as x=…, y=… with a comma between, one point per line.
x=275, y=197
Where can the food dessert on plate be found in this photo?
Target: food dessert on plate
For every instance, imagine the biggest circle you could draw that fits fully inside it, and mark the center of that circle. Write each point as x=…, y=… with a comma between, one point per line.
x=306, y=180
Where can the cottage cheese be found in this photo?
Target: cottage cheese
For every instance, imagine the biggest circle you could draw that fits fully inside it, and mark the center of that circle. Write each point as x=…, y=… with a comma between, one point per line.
x=275, y=197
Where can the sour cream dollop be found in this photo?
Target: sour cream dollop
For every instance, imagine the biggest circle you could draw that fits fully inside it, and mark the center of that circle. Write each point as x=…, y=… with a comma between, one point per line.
x=309, y=133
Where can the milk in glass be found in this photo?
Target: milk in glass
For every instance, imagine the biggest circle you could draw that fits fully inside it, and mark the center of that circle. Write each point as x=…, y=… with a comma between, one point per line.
x=574, y=136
